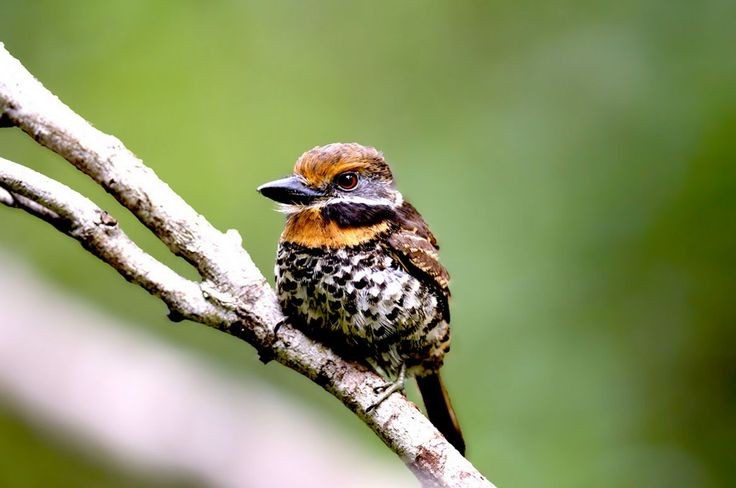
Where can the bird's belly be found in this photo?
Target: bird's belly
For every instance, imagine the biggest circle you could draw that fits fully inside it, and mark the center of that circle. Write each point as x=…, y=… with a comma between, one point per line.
x=359, y=301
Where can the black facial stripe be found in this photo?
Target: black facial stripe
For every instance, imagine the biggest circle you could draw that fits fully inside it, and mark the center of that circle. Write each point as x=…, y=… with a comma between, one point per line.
x=346, y=214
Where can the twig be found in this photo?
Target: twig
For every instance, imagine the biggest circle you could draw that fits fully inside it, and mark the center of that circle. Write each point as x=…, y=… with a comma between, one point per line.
x=33, y=208
x=99, y=233
x=234, y=296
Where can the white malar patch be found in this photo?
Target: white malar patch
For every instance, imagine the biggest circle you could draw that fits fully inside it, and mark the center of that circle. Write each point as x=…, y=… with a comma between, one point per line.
x=373, y=202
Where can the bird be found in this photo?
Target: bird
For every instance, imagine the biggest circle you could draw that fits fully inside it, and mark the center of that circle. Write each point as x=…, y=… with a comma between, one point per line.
x=357, y=269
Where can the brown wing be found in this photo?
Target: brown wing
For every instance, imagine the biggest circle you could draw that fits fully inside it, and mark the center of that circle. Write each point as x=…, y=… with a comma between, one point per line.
x=417, y=250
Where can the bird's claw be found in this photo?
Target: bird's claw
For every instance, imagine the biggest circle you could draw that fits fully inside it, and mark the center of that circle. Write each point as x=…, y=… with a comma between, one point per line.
x=266, y=354
x=389, y=388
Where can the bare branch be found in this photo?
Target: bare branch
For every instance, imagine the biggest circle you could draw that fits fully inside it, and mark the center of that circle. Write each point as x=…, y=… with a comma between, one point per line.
x=33, y=208
x=99, y=233
x=219, y=259
x=241, y=302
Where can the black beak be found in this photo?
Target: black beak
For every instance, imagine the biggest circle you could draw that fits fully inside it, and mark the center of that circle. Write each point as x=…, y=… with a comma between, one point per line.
x=291, y=190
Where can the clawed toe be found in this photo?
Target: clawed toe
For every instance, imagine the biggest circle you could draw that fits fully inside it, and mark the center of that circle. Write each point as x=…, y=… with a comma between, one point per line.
x=382, y=388
x=388, y=389
x=277, y=327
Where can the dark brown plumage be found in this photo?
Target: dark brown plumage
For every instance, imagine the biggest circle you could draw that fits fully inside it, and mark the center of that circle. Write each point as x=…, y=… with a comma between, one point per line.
x=358, y=269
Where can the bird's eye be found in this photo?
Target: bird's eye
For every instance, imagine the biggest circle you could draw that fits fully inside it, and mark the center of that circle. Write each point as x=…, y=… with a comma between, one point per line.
x=347, y=181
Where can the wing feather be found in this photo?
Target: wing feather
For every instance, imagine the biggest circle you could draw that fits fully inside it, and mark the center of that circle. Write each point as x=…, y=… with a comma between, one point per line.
x=417, y=250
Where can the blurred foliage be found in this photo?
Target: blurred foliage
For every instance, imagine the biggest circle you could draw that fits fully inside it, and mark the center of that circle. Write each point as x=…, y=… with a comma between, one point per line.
x=576, y=160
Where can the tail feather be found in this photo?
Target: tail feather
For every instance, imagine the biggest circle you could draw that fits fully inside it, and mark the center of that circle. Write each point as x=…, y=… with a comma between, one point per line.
x=439, y=409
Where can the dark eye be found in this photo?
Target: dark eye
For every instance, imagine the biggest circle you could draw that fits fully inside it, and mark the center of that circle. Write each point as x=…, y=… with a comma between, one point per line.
x=347, y=181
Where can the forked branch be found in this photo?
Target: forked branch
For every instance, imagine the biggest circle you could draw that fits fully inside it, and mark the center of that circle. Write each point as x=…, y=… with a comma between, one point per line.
x=233, y=295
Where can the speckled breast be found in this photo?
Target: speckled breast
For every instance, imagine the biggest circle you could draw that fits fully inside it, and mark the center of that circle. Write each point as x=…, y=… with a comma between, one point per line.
x=363, y=303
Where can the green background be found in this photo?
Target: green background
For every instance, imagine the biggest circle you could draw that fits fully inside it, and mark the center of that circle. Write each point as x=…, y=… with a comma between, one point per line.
x=575, y=159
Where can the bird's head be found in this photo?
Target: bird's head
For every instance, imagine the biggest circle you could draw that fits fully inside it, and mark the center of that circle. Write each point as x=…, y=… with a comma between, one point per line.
x=336, y=177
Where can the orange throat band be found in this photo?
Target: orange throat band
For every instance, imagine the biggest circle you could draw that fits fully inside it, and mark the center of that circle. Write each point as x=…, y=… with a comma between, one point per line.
x=309, y=228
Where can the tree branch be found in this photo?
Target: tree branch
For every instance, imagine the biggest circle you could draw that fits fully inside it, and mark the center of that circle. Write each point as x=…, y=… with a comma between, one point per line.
x=233, y=296
x=33, y=208
x=99, y=233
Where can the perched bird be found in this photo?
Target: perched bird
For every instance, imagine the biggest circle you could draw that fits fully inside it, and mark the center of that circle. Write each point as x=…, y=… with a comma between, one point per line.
x=357, y=269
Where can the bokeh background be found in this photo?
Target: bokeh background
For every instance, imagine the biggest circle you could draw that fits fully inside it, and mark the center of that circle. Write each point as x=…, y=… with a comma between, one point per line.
x=577, y=161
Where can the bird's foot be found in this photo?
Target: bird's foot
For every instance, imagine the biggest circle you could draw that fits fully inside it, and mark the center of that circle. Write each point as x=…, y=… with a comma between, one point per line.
x=266, y=353
x=389, y=388
x=276, y=329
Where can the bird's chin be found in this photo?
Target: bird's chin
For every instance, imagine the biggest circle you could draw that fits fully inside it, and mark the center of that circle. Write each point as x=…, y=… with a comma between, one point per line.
x=289, y=209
